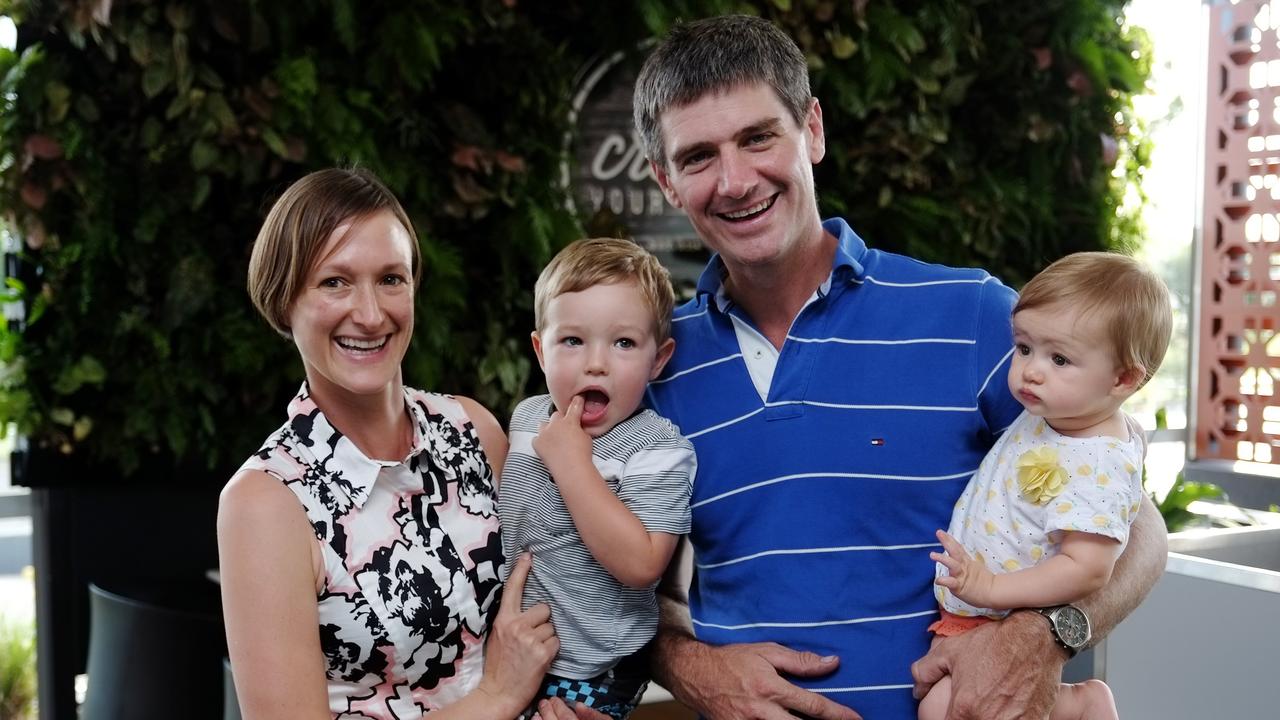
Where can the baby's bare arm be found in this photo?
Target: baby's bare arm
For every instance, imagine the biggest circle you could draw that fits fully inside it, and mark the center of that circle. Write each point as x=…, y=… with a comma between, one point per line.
x=1082, y=566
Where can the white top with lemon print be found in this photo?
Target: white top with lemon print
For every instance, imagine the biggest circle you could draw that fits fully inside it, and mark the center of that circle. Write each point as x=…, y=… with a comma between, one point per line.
x=1034, y=484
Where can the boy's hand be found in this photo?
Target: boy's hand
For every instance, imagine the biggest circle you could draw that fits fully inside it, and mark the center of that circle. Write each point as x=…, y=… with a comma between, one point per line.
x=969, y=578
x=561, y=441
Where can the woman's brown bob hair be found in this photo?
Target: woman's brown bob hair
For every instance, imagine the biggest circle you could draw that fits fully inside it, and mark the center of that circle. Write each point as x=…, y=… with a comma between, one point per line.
x=299, y=225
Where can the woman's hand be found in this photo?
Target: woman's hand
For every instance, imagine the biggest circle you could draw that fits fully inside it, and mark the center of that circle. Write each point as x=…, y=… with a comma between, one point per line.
x=520, y=647
x=557, y=709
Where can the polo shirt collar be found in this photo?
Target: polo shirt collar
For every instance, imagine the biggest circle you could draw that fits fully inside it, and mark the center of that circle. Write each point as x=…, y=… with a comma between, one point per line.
x=846, y=266
x=333, y=457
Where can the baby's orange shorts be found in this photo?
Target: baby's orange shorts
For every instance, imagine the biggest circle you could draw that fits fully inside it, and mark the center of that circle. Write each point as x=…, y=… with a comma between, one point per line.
x=951, y=624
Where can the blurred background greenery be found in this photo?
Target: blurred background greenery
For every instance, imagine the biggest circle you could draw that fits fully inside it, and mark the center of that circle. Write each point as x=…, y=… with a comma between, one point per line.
x=142, y=142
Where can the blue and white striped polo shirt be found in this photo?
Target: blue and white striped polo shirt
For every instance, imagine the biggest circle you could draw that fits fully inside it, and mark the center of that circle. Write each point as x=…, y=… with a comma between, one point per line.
x=814, y=511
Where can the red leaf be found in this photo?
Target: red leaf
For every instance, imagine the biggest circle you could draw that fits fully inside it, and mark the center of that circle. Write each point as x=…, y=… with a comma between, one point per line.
x=1043, y=56
x=33, y=195
x=467, y=156
x=510, y=163
x=43, y=147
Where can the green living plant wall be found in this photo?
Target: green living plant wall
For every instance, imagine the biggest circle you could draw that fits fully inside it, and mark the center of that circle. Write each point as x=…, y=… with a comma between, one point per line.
x=141, y=143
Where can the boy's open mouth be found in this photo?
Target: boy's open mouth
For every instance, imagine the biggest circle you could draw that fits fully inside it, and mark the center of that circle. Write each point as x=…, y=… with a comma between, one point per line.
x=594, y=404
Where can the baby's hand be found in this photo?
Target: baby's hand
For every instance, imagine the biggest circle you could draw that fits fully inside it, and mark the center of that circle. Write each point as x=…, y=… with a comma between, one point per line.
x=969, y=578
x=562, y=440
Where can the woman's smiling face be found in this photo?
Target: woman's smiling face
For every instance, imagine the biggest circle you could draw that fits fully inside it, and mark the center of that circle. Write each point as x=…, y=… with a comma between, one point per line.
x=353, y=318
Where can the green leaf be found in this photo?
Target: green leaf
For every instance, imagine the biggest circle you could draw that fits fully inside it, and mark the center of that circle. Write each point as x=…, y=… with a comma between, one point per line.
x=150, y=133
x=1091, y=59
x=181, y=63
x=203, y=154
x=216, y=105
x=1124, y=72
x=1174, y=506
x=59, y=98
x=201, y=194
x=275, y=143
x=156, y=78
x=179, y=16
x=209, y=77
x=842, y=46
x=176, y=436
x=81, y=429
x=298, y=83
x=139, y=42
x=86, y=371
x=38, y=307
x=87, y=108
x=180, y=104
x=344, y=24
x=885, y=197
x=928, y=85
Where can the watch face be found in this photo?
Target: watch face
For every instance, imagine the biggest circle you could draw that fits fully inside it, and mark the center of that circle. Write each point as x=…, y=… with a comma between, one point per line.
x=1072, y=626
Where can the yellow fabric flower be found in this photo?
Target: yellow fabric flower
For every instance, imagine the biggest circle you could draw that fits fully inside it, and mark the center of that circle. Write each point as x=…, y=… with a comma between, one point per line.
x=1040, y=477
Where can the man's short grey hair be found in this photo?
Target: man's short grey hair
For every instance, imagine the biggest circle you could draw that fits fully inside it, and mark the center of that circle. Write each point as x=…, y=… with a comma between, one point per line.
x=716, y=55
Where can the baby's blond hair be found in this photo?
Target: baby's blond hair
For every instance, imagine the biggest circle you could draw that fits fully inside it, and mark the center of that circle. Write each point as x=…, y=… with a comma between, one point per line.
x=1131, y=301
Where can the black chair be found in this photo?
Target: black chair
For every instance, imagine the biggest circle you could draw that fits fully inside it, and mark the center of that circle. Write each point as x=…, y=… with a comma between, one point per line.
x=155, y=652
x=230, y=704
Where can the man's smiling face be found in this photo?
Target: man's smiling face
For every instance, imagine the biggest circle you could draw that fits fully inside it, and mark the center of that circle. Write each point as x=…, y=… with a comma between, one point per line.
x=742, y=169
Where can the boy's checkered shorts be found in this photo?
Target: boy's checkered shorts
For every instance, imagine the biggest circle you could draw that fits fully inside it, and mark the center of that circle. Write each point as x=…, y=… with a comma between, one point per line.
x=615, y=692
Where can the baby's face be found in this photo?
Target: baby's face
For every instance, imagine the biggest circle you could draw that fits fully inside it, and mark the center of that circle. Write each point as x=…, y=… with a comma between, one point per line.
x=1063, y=367
x=599, y=343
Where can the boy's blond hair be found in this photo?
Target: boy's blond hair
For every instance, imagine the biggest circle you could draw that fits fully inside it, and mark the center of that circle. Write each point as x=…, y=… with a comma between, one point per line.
x=1131, y=301
x=589, y=262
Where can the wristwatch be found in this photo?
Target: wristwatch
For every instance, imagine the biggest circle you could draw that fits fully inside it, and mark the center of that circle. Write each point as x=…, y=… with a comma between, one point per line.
x=1070, y=627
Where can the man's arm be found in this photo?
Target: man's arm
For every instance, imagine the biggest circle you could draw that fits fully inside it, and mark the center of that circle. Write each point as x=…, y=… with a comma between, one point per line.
x=1011, y=669
x=731, y=681
x=1136, y=572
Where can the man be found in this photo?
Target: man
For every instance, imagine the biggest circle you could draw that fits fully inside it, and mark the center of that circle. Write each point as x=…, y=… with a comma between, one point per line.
x=839, y=398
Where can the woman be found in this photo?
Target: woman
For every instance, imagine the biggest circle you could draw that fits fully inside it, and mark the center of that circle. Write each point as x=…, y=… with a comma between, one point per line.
x=369, y=515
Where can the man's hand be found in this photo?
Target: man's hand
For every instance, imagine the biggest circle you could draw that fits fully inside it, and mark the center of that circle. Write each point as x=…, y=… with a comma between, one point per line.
x=745, y=682
x=1006, y=670
x=562, y=440
x=969, y=578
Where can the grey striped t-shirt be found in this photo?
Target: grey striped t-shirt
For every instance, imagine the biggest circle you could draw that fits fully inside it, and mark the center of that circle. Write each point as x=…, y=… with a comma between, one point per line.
x=650, y=467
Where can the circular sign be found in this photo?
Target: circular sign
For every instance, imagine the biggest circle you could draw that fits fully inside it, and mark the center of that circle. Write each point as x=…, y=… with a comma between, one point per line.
x=611, y=184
